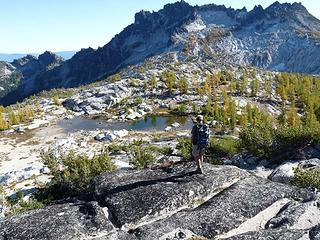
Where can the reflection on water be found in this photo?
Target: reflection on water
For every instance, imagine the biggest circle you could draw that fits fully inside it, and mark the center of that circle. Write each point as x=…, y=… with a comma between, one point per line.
x=148, y=123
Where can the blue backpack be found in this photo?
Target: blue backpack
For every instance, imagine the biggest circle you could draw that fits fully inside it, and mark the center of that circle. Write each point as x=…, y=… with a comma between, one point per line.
x=203, y=133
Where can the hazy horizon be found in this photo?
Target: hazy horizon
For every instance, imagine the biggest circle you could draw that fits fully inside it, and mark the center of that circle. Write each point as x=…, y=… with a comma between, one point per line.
x=34, y=26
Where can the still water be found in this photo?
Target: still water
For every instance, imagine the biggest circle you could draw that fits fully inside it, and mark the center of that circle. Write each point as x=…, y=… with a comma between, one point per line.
x=149, y=123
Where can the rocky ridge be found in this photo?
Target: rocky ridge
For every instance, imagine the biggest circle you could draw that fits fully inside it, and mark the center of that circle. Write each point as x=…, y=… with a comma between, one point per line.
x=282, y=37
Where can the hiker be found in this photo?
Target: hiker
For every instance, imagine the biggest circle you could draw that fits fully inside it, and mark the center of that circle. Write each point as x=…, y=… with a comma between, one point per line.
x=200, y=140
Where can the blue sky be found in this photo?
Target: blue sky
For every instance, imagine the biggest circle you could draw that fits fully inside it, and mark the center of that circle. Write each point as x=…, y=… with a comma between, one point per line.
x=33, y=26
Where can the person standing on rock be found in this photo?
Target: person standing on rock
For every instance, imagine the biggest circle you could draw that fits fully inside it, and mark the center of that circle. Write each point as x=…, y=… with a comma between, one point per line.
x=200, y=140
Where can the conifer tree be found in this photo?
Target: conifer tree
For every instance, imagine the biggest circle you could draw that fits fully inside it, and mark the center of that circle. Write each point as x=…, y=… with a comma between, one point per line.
x=3, y=122
x=254, y=87
x=153, y=82
x=207, y=86
x=233, y=115
x=183, y=85
x=170, y=80
x=2, y=109
x=310, y=119
x=243, y=118
x=268, y=88
x=232, y=86
x=243, y=83
x=293, y=118
x=12, y=117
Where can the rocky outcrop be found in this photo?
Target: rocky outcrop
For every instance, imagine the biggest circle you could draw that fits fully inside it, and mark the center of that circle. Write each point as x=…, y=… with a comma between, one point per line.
x=224, y=203
x=149, y=195
x=98, y=99
x=64, y=221
x=226, y=213
x=29, y=69
x=285, y=172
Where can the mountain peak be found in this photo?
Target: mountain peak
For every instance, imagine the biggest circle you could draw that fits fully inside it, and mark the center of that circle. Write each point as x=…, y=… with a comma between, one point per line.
x=48, y=58
x=177, y=4
x=141, y=16
x=276, y=6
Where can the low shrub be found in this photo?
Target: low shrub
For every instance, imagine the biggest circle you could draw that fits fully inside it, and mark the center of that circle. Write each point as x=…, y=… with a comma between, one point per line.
x=185, y=147
x=223, y=146
x=138, y=101
x=56, y=101
x=181, y=109
x=116, y=148
x=165, y=150
x=257, y=140
x=277, y=143
x=306, y=178
x=57, y=93
x=288, y=140
x=19, y=206
x=142, y=157
x=74, y=172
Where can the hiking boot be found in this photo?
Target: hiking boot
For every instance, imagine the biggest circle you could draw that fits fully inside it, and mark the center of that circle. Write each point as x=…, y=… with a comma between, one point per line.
x=199, y=170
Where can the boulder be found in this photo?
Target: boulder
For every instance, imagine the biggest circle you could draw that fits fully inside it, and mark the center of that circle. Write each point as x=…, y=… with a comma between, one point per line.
x=285, y=172
x=133, y=116
x=175, y=125
x=64, y=221
x=168, y=129
x=105, y=137
x=134, y=197
x=121, y=133
x=310, y=164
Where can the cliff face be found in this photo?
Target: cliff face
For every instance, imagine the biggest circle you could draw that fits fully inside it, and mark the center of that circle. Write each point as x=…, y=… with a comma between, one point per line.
x=282, y=37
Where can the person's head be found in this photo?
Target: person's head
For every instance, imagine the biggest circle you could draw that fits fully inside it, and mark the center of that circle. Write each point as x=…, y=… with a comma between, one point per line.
x=199, y=119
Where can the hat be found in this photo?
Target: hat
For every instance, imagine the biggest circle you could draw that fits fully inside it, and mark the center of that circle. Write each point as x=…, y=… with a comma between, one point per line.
x=199, y=118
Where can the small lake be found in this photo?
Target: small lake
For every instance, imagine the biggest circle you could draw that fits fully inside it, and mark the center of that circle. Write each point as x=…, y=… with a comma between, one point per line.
x=148, y=123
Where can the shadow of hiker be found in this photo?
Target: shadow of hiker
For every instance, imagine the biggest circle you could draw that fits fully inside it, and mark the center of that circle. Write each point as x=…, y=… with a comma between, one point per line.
x=182, y=177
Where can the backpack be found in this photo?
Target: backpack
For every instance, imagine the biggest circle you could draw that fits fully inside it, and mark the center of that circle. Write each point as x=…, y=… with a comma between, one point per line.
x=203, y=136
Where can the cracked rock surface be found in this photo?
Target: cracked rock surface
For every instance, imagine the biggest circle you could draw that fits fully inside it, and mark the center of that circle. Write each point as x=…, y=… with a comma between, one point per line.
x=133, y=197
x=224, y=203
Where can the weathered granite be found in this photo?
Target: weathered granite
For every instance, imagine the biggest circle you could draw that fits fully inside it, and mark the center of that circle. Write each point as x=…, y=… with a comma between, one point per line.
x=224, y=203
x=226, y=211
x=315, y=233
x=271, y=235
x=296, y=215
x=135, y=197
x=285, y=172
x=65, y=221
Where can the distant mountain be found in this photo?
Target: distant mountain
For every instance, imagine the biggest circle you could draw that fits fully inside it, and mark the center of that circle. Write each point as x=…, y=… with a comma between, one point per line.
x=19, y=78
x=282, y=37
x=7, y=57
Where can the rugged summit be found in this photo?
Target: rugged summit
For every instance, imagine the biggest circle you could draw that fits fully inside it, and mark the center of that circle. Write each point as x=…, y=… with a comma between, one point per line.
x=23, y=74
x=282, y=37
